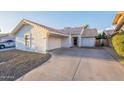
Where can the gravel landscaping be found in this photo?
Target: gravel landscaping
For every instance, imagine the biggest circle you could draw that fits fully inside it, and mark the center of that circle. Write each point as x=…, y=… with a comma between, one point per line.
x=15, y=63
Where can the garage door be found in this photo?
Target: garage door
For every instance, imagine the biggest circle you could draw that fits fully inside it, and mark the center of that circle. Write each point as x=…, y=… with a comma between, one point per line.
x=54, y=42
x=88, y=42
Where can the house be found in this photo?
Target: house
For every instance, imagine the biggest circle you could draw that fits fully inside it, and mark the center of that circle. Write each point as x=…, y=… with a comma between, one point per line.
x=31, y=36
x=8, y=36
x=109, y=32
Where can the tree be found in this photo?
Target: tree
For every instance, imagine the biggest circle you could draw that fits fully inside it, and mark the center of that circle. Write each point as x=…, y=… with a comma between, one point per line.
x=99, y=36
x=86, y=26
x=103, y=36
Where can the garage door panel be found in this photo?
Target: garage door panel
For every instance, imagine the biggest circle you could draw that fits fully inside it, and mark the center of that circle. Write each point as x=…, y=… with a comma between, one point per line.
x=88, y=42
x=54, y=42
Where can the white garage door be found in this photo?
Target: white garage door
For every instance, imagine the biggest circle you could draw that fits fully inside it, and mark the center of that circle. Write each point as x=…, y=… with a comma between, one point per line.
x=54, y=42
x=87, y=42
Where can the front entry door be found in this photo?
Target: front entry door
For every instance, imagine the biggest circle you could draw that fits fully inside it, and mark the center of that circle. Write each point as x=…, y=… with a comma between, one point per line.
x=75, y=41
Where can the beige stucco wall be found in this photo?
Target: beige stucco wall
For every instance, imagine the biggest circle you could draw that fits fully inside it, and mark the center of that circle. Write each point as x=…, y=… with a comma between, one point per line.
x=38, y=39
x=41, y=39
x=20, y=44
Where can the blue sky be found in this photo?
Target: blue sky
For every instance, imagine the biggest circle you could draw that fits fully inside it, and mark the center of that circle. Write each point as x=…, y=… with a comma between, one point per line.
x=95, y=19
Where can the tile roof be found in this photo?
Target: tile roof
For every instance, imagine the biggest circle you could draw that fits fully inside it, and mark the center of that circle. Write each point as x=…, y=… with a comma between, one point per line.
x=109, y=32
x=67, y=30
x=1, y=35
x=89, y=32
x=4, y=35
x=72, y=30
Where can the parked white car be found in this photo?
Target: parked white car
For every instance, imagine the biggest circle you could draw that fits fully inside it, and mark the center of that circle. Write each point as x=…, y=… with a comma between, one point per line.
x=7, y=44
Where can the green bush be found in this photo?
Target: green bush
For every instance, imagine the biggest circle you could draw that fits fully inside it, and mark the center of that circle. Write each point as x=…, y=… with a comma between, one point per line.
x=118, y=43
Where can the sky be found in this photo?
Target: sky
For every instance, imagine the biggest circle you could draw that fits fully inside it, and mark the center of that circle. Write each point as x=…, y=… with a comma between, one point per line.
x=56, y=19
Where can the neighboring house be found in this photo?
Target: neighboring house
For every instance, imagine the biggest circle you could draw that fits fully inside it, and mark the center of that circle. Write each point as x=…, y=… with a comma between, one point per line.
x=31, y=36
x=7, y=44
x=109, y=33
x=7, y=40
x=5, y=37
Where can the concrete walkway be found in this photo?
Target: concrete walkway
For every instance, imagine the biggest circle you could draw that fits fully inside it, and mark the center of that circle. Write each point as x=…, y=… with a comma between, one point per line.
x=78, y=64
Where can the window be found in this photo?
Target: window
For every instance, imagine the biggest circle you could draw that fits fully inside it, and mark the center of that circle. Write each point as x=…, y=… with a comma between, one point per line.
x=27, y=40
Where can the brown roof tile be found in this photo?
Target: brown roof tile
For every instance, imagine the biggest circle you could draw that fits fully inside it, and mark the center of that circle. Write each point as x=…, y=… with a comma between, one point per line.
x=109, y=32
x=68, y=30
x=4, y=35
x=72, y=30
x=89, y=33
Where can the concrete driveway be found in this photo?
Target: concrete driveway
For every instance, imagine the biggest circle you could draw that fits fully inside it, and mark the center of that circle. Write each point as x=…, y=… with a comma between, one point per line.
x=78, y=64
x=6, y=49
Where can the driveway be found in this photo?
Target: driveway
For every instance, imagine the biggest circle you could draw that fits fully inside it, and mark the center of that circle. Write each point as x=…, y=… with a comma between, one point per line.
x=78, y=64
x=6, y=49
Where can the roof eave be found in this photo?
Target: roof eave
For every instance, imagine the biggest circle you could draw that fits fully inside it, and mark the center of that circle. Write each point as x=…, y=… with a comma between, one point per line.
x=58, y=33
x=18, y=26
